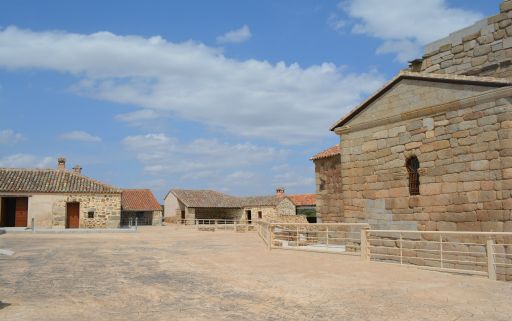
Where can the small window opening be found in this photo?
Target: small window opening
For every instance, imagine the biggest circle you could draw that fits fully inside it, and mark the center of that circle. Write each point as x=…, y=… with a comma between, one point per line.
x=413, y=165
x=260, y=215
x=322, y=184
x=90, y=214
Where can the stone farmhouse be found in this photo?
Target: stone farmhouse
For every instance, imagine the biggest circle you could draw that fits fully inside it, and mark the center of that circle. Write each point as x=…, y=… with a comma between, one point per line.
x=59, y=198
x=183, y=204
x=432, y=149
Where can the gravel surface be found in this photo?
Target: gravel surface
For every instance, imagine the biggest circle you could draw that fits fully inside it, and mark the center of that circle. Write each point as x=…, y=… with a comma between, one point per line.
x=168, y=273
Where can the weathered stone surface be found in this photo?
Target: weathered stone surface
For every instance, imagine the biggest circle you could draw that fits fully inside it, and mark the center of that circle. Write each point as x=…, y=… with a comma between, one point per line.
x=465, y=153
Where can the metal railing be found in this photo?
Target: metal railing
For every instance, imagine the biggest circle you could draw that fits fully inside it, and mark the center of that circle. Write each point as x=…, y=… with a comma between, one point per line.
x=478, y=253
x=342, y=238
x=264, y=231
x=218, y=224
x=129, y=221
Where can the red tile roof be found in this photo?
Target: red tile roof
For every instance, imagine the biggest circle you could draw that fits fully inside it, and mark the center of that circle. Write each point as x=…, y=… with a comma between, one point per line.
x=332, y=151
x=303, y=199
x=139, y=200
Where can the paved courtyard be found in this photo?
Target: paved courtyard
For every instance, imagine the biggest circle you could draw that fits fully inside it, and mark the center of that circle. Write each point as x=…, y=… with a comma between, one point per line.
x=164, y=273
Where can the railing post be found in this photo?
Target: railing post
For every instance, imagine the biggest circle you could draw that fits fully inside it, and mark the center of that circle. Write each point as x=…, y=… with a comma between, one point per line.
x=327, y=236
x=136, y=223
x=401, y=252
x=441, y=249
x=297, y=241
x=491, y=264
x=33, y=224
x=270, y=233
x=215, y=224
x=365, y=249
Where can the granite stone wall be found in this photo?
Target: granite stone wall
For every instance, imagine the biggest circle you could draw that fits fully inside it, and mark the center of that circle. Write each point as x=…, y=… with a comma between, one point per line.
x=484, y=49
x=286, y=207
x=106, y=208
x=329, y=197
x=465, y=154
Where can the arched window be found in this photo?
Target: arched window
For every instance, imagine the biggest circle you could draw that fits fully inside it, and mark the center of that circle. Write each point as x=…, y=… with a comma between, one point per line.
x=413, y=164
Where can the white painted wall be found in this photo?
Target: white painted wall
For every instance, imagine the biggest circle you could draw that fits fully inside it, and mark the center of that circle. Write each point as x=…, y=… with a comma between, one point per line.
x=171, y=205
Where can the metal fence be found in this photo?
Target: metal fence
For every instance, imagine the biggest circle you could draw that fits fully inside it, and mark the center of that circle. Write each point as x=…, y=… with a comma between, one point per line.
x=477, y=253
x=129, y=221
x=342, y=238
x=218, y=224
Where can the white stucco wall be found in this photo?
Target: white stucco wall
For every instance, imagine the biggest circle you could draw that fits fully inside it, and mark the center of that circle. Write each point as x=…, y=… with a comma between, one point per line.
x=171, y=205
x=41, y=207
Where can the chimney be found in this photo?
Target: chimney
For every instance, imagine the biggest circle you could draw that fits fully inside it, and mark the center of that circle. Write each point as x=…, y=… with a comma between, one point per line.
x=61, y=164
x=280, y=192
x=77, y=169
x=415, y=65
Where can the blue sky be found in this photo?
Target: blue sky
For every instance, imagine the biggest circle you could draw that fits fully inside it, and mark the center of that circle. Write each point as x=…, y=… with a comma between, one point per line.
x=230, y=95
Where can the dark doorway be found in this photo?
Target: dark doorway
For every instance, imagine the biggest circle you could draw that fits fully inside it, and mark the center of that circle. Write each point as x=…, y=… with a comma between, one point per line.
x=14, y=212
x=72, y=215
x=249, y=216
x=183, y=216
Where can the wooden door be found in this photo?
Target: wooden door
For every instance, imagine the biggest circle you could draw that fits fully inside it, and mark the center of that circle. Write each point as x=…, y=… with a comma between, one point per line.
x=21, y=216
x=72, y=215
x=3, y=218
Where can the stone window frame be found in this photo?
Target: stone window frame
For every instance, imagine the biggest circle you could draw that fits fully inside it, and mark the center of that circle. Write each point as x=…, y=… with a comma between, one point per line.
x=91, y=213
x=321, y=186
x=412, y=164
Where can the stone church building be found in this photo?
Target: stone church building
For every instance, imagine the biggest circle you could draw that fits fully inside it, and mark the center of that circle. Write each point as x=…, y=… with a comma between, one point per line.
x=432, y=149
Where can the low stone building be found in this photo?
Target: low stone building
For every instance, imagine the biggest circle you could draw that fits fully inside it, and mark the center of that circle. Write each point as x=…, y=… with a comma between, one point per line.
x=184, y=204
x=207, y=205
x=140, y=206
x=56, y=198
x=305, y=205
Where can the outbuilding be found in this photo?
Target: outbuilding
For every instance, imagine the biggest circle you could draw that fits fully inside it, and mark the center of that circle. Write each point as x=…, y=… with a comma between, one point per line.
x=56, y=198
x=140, y=206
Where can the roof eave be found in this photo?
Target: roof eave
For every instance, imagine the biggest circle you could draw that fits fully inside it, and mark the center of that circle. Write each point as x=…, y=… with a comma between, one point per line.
x=416, y=76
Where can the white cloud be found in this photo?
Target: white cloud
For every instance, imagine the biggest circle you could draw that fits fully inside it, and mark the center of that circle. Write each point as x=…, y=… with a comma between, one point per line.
x=294, y=177
x=406, y=25
x=199, y=159
x=336, y=22
x=25, y=160
x=252, y=98
x=405, y=49
x=8, y=136
x=138, y=116
x=241, y=178
x=81, y=136
x=236, y=36
x=209, y=163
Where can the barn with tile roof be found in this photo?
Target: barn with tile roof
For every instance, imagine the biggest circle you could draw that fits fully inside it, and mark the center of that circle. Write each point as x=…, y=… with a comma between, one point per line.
x=140, y=206
x=189, y=205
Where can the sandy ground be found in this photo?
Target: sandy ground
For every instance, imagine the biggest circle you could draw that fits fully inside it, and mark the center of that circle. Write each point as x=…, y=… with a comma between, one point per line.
x=165, y=273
